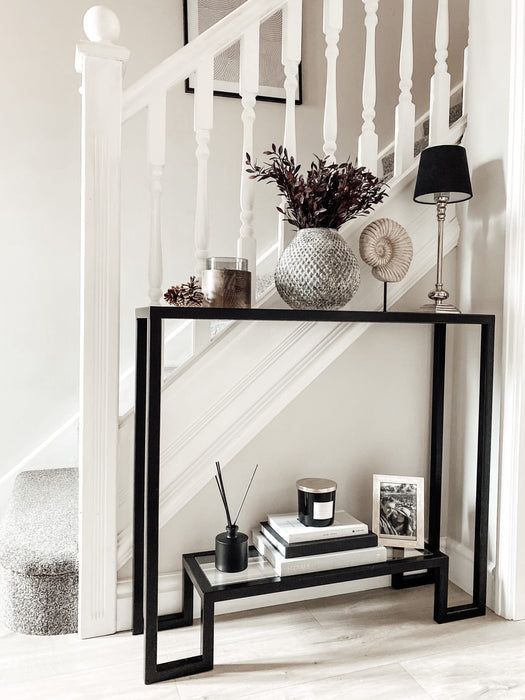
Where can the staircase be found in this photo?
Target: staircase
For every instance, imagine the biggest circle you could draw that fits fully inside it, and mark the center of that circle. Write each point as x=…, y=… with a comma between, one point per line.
x=276, y=366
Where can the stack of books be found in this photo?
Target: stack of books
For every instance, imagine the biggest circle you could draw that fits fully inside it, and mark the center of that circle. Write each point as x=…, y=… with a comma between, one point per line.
x=293, y=548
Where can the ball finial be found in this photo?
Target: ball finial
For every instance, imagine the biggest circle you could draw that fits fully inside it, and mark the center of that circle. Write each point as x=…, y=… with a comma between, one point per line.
x=101, y=24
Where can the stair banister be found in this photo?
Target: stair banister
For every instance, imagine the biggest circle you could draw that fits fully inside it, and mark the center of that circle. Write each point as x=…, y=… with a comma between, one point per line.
x=248, y=88
x=156, y=130
x=367, y=146
x=101, y=64
x=202, y=125
x=184, y=61
x=440, y=81
x=332, y=25
x=291, y=57
x=405, y=111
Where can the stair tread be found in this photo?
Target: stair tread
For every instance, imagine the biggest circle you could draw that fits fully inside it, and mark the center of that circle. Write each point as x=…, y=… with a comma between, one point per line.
x=39, y=532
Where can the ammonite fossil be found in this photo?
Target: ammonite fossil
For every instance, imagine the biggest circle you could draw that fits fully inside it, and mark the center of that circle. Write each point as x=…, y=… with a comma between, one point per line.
x=386, y=247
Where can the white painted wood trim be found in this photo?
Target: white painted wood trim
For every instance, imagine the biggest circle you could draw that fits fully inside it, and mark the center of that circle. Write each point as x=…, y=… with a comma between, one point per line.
x=510, y=594
x=184, y=61
x=156, y=130
x=405, y=116
x=440, y=81
x=248, y=88
x=368, y=140
x=291, y=57
x=203, y=124
x=99, y=346
x=332, y=25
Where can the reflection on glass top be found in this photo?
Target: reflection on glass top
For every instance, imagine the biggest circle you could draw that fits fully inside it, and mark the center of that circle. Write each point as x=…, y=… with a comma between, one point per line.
x=258, y=568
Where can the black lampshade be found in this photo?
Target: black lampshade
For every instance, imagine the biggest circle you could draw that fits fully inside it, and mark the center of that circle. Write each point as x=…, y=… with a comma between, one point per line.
x=443, y=169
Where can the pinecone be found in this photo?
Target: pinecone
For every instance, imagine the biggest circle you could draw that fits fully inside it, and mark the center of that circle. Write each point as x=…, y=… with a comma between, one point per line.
x=191, y=293
x=173, y=296
x=187, y=294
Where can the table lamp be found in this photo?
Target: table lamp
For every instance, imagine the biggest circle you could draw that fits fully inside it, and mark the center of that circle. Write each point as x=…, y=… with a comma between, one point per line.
x=442, y=179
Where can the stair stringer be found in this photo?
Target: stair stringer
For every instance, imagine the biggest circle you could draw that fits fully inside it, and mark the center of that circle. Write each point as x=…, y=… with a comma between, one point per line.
x=210, y=413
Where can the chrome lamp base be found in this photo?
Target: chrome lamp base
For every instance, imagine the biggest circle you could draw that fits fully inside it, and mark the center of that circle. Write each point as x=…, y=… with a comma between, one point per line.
x=440, y=308
x=440, y=303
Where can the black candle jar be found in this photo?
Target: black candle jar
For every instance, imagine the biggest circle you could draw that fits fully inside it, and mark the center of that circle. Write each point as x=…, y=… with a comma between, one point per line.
x=231, y=550
x=316, y=501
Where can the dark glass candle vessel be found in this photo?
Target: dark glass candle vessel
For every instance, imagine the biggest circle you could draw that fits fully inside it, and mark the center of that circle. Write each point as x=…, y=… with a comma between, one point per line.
x=231, y=550
x=316, y=501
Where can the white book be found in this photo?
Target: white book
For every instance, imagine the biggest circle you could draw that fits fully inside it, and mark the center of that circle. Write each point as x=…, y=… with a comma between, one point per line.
x=318, y=562
x=292, y=529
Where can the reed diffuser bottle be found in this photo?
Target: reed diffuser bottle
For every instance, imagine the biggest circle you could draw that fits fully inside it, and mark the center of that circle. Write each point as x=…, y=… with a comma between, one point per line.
x=231, y=547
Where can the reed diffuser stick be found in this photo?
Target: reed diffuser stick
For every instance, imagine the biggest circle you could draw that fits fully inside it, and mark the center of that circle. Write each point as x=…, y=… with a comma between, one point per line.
x=222, y=491
x=245, y=494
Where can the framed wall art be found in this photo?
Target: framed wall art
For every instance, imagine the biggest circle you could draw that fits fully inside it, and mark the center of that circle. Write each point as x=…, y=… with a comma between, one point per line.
x=199, y=15
x=398, y=511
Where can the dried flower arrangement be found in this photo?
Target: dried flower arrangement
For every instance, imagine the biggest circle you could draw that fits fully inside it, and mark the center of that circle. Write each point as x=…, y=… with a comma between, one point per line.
x=186, y=294
x=330, y=195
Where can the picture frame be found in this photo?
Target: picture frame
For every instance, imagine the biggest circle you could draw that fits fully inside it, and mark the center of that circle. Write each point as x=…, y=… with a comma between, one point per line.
x=398, y=510
x=199, y=15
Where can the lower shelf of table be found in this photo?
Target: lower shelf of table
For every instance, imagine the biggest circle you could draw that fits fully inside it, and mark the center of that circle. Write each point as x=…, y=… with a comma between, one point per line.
x=429, y=568
x=243, y=589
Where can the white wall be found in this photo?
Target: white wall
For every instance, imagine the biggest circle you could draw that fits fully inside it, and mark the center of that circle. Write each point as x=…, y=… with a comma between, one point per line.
x=481, y=254
x=39, y=178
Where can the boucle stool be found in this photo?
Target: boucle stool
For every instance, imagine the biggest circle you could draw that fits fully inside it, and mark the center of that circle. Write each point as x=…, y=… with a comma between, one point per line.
x=39, y=553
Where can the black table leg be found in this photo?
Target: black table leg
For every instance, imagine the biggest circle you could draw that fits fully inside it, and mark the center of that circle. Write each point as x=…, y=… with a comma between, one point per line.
x=152, y=497
x=184, y=618
x=441, y=592
x=207, y=633
x=138, y=479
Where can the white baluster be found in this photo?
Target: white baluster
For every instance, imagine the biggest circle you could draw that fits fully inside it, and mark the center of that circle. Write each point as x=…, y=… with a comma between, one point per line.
x=465, y=76
x=156, y=161
x=203, y=123
x=405, y=110
x=101, y=64
x=367, y=148
x=332, y=25
x=291, y=57
x=440, y=81
x=248, y=88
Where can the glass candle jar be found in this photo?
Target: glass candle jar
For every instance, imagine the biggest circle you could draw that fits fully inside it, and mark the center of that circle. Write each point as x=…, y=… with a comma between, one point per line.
x=226, y=283
x=316, y=501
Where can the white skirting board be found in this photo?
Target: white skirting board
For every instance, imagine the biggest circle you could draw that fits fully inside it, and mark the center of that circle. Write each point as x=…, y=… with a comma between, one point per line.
x=170, y=597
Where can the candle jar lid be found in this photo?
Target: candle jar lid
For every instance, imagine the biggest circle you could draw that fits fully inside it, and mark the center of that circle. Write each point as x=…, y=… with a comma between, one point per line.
x=227, y=264
x=316, y=485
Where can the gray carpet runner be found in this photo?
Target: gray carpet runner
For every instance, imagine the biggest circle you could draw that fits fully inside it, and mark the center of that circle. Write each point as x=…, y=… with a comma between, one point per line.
x=39, y=554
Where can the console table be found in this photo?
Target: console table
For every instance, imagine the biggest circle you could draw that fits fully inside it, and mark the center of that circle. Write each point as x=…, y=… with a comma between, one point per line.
x=146, y=489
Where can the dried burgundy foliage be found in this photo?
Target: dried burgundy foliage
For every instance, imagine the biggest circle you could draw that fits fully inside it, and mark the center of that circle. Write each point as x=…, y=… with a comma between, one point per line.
x=330, y=195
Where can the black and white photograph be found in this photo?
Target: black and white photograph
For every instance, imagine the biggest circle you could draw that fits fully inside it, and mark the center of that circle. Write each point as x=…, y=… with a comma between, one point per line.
x=398, y=510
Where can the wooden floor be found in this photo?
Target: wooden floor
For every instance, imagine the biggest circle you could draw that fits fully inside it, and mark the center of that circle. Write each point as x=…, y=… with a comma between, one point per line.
x=375, y=644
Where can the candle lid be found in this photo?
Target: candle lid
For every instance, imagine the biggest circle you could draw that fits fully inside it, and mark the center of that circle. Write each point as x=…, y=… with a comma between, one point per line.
x=226, y=264
x=316, y=485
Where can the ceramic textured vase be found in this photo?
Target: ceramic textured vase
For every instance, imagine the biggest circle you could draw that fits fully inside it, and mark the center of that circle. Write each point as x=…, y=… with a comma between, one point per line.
x=317, y=270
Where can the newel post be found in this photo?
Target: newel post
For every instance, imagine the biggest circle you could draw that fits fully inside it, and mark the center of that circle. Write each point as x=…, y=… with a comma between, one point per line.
x=101, y=64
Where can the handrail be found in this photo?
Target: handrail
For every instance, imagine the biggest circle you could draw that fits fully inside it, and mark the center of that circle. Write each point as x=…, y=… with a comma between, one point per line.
x=185, y=60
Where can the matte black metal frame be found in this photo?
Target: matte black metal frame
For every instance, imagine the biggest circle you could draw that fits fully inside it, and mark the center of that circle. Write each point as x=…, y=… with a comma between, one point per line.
x=146, y=489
